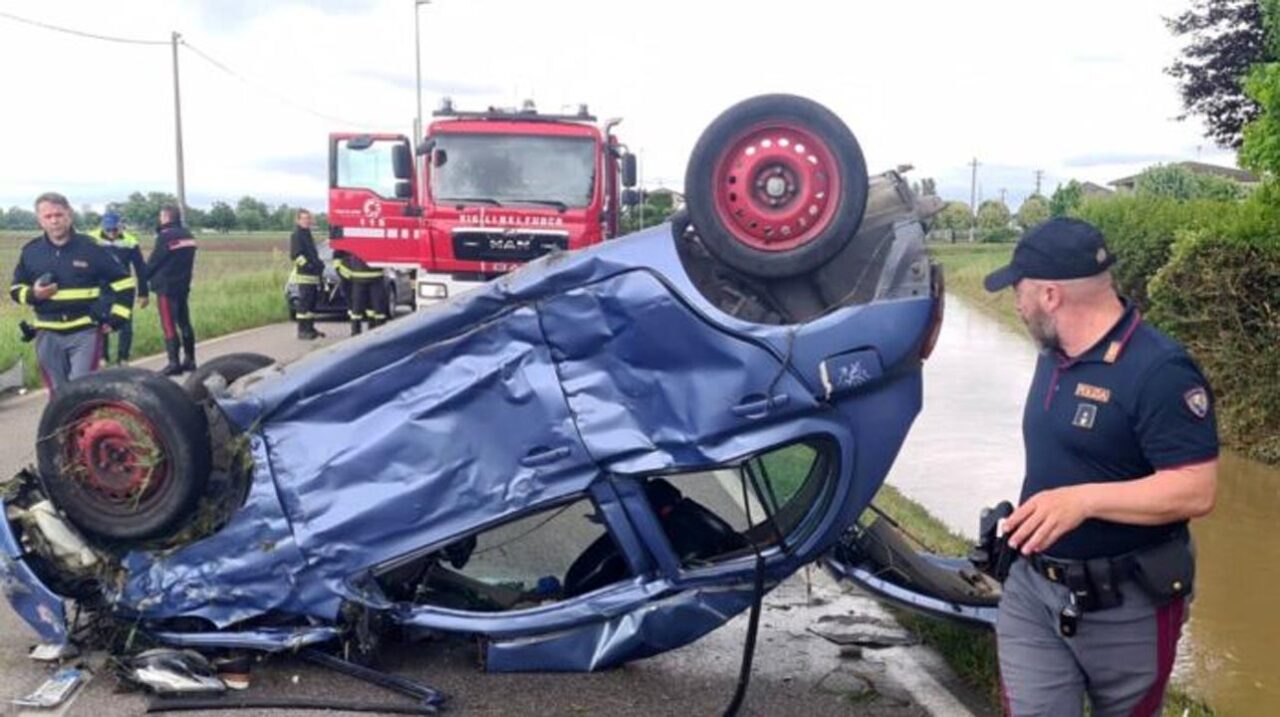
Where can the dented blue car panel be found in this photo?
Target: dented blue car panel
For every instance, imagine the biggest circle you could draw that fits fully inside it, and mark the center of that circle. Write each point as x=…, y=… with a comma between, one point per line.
x=41, y=608
x=577, y=376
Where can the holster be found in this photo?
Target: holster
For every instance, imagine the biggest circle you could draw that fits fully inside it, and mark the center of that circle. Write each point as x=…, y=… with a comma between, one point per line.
x=1166, y=571
x=992, y=555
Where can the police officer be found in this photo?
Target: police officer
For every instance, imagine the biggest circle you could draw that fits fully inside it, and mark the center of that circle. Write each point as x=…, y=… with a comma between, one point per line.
x=307, y=270
x=78, y=290
x=169, y=269
x=366, y=291
x=1121, y=450
x=125, y=248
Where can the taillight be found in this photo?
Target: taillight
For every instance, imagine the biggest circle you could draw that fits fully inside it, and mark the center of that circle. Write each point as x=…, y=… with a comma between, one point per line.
x=939, y=308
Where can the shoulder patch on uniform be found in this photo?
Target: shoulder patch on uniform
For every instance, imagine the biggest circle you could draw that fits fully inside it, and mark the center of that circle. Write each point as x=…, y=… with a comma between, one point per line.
x=1197, y=400
x=1113, y=352
x=1093, y=393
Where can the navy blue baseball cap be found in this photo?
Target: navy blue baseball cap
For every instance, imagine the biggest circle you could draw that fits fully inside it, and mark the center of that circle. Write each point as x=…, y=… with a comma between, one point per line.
x=1060, y=248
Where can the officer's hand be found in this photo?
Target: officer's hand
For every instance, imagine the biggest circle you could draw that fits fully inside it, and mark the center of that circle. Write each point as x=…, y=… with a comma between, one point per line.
x=105, y=329
x=143, y=301
x=1038, y=523
x=44, y=291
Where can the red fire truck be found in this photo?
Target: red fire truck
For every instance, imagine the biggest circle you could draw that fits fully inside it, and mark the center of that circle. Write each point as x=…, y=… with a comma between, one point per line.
x=483, y=193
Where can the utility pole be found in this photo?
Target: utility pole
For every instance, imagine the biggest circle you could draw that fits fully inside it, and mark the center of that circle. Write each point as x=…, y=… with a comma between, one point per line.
x=973, y=197
x=1039, y=176
x=1002, y=193
x=417, y=68
x=177, y=128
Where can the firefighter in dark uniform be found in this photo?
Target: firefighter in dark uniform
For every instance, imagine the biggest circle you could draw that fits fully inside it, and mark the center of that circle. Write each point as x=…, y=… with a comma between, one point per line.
x=78, y=290
x=1121, y=451
x=366, y=291
x=307, y=270
x=126, y=249
x=169, y=269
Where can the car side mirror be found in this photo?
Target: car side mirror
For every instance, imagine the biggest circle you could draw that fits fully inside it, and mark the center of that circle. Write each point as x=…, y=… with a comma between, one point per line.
x=628, y=170
x=404, y=190
x=630, y=197
x=402, y=161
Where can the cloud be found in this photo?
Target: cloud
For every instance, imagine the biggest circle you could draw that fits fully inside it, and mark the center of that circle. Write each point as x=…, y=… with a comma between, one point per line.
x=310, y=165
x=231, y=15
x=1100, y=159
x=407, y=82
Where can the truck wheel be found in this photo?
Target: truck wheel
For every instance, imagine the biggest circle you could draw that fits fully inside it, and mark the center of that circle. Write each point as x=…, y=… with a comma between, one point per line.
x=230, y=367
x=776, y=186
x=124, y=453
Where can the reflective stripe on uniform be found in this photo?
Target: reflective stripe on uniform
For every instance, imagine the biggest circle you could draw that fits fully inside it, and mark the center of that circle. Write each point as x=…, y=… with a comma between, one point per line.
x=124, y=284
x=300, y=260
x=63, y=325
x=374, y=315
x=299, y=278
x=19, y=292
x=76, y=294
x=304, y=315
x=123, y=312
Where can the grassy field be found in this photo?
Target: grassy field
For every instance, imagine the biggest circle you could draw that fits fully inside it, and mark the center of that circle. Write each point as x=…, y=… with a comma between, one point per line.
x=239, y=284
x=972, y=653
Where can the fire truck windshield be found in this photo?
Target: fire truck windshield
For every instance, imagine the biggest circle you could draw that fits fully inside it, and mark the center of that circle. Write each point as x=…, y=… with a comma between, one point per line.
x=513, y=169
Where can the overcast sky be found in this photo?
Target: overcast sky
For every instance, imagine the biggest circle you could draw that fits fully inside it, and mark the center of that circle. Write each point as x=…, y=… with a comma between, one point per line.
x=1076, y=89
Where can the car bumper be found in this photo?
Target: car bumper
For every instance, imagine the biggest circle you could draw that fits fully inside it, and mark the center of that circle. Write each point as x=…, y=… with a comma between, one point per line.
x=41, y=608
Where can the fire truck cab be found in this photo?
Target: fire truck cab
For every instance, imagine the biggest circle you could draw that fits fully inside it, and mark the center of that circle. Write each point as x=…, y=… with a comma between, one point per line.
x=483, y=193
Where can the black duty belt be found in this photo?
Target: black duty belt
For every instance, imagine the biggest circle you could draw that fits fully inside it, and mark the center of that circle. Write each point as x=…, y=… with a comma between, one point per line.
x=1165, y=571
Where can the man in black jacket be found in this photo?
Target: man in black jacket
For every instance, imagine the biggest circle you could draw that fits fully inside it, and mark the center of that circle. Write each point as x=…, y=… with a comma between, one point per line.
x=126, y=249
x=307, y=270
x=169, y=271
x=78, y=290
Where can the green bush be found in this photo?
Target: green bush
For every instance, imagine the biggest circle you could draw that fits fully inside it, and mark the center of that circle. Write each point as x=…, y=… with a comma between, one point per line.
x=1219, y=295
x=1140, y=230
x=999, y=235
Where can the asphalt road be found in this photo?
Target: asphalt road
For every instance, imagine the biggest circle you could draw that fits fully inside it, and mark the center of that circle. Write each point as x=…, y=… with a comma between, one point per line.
x=796, y=672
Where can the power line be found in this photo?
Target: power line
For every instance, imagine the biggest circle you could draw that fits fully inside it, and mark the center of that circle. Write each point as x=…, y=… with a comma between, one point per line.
x=303, y=108
x=82, y=33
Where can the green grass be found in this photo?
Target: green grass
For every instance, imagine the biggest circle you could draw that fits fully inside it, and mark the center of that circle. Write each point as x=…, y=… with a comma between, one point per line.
x=239, y=284
x=965, y=265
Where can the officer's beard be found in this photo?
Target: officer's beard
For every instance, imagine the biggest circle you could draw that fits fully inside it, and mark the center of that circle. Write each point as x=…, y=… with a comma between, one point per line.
x=1044, y=330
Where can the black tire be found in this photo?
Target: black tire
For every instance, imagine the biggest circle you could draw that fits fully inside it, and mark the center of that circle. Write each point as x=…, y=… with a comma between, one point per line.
x=151, y=444
x=230, y=367
x=711, y=188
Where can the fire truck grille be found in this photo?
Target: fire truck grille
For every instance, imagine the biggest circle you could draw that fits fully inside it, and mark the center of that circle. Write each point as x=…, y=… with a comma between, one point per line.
x=505, y=246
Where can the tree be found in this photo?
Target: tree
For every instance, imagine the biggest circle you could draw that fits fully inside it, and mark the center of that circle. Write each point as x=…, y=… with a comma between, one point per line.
x=1174, y=182
x=86, y=219
x=142, y=211
x=1226, y=38
x=196, y=217
x=954, y=217
x=993, y=214
x=221, y=217
x=1034, y=210
x=1260, y=150
x=282, y=217
x=1065, y=199
x=19, y=218
x=251, y=214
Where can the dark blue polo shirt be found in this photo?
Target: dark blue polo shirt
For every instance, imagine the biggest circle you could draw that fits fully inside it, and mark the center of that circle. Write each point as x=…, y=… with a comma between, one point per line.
x=1132, y=404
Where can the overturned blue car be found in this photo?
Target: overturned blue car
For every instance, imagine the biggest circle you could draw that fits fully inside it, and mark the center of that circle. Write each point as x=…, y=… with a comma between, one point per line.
x=589, y=461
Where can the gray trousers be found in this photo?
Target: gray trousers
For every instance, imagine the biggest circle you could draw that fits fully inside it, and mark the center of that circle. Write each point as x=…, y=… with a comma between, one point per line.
x=1121, y=657
x=65, y=357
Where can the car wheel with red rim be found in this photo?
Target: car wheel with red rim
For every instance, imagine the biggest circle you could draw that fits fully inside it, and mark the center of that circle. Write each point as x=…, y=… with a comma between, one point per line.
x=124, y=453
x=776, y=186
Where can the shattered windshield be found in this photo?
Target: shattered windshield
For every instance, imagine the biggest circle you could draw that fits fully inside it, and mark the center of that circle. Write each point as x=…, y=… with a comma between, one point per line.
x=514, y=169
